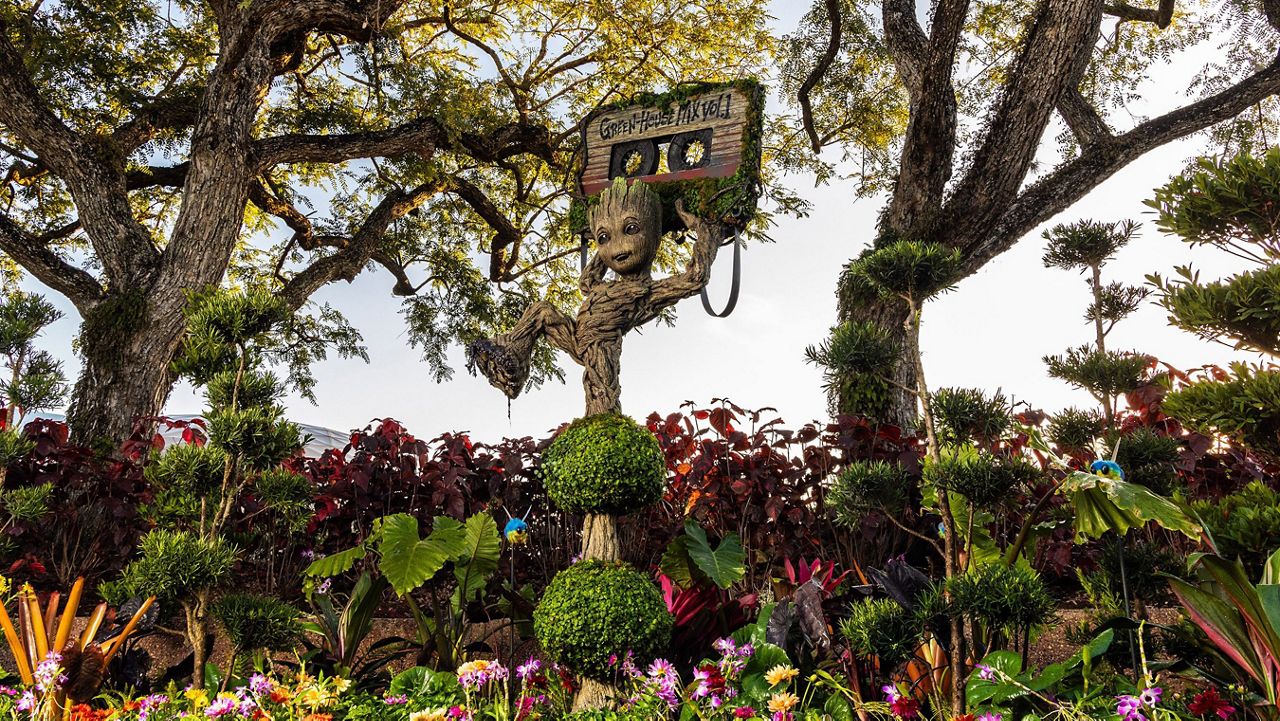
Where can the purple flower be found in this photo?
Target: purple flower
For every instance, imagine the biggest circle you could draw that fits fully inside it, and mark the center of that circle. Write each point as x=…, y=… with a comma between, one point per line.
x=986, y=673
x=325, y=585
x=397, y=700
x=990, y=717
x=1150, y=696
x=527, y=669
x=259, y=684
x=890, y=692
x=27, y=702
x=221, y=707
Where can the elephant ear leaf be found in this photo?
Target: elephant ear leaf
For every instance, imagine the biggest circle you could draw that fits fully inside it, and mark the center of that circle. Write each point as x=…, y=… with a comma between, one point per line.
x=723, y=564
x=1108, y=504
x=478, y=558
x=336, y=563
x=408, y=561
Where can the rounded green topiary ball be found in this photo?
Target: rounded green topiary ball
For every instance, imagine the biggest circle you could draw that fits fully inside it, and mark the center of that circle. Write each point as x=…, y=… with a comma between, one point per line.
x=594, y=610
x=605, y=463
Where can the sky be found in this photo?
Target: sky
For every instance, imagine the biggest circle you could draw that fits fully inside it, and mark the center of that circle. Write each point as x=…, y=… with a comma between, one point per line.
x=990, y=333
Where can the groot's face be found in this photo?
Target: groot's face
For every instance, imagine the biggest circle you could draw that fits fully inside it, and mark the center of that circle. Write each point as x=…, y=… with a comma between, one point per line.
x=626, y=242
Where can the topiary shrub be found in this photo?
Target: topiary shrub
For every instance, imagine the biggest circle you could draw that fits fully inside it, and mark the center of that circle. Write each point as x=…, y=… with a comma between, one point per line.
x=252, y=621
x=605, y=463
x=882, y=627
x=983, y=478
x=594, y=610
x=1003, y=597
x=868, y=486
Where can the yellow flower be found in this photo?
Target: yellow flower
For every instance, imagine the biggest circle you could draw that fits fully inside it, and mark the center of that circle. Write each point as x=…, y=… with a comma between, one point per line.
x=472, y=667
x=341, y=684
x=429, y=715
x=312, y=697
x=781, y=702
x=5, y=585
x=780, y=674
x=198, y=697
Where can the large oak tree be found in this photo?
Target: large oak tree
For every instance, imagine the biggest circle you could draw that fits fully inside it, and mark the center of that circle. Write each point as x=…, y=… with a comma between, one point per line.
x=147, y=147
x=983, y=119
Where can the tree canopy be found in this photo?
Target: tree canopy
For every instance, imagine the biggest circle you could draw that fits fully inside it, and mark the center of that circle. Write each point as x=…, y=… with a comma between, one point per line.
x=146, y=147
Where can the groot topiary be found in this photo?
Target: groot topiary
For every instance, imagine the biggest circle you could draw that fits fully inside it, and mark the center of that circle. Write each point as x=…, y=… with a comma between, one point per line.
x=597, y=610
x=605, y=463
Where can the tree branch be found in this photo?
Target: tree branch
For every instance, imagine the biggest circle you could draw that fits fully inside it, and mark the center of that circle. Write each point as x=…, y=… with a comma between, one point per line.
x=929, y=147
x=1071, y=181
x=505, y=233
x=1084, y=121
x=423, y=136
x=816, y=73
x=80, y=287
x=1057, y=48
x=906, y=41
x=1160, y=16
x=122, y=245
x=347, y=263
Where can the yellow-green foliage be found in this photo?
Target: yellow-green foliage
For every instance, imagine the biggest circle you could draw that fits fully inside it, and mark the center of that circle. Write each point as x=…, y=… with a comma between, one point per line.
x=605, y=463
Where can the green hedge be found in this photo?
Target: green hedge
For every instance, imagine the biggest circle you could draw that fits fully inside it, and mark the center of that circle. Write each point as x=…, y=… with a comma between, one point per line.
x=605, y=463
x=594, y=610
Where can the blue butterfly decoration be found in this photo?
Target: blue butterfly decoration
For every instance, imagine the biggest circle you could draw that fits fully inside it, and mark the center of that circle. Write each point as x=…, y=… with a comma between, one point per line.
x=1107, y=469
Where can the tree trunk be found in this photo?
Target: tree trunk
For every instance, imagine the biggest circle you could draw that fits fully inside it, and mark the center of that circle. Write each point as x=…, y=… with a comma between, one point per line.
x=127, y=346
x=891, y=315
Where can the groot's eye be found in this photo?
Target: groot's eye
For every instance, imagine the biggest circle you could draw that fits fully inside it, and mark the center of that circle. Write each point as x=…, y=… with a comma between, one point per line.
x=602, y=238
x=631, y=228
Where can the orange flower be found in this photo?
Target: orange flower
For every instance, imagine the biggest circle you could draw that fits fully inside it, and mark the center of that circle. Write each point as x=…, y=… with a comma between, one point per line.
x=318, y=717
x=279, y=695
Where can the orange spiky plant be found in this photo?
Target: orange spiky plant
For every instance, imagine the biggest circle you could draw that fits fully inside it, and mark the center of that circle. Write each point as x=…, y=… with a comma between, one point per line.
x=80, y=661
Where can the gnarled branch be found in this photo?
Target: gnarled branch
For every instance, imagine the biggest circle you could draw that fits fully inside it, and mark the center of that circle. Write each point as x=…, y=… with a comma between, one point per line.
x=1084, y=121
x=34, y=254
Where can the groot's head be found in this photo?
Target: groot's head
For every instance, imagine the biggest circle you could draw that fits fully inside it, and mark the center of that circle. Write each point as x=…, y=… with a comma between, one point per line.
x=626, y=223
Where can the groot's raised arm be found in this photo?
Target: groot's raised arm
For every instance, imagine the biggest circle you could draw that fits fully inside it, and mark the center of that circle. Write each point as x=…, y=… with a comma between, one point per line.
x=626, y=225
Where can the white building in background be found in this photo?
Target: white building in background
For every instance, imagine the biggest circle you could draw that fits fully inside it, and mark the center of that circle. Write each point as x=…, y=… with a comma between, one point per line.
x=318, y=439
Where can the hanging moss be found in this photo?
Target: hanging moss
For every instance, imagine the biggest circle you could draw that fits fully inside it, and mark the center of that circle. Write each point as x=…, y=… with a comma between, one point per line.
x=731, y=200
x=121, y=314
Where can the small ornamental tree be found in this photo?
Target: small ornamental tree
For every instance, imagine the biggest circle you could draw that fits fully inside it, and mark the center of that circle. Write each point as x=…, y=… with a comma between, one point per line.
x=601, y=466
x=35, y=379
x=1233, y=205
x=188, y=557
x=1086, y=247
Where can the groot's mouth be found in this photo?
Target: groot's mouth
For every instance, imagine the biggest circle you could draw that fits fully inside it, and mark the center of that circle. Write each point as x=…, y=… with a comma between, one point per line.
x=622, y=257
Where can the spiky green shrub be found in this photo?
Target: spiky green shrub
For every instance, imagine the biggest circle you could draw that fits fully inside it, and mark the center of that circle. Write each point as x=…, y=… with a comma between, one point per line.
x=852, y=359
x=1002, y=597
x=883, y=628
x=258, y=622
x=1075, y=430
x=595, y=610
x=27, y=503
x=965, y=414
x=1149, y=459
x=176, y=564
x=983, y=478
x=1107, y=373
x=605, y=463
x=865, y=487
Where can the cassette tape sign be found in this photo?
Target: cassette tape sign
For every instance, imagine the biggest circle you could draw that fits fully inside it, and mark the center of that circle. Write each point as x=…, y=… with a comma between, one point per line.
x=700, y=136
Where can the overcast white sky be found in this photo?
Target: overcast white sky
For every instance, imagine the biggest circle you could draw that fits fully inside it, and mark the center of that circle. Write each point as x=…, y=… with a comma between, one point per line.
x=991, y=333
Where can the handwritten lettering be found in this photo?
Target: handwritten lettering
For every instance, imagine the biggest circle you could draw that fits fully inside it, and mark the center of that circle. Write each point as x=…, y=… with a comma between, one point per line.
x=645, y=120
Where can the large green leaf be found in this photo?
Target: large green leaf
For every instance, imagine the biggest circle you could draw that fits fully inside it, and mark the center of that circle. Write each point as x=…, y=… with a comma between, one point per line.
x=478, y=558
x=336, y=563
x=408, y=561
x=676, y=563
x=723, y=564
x=754, y=685
x=1106, y=504
x=1222, y=623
